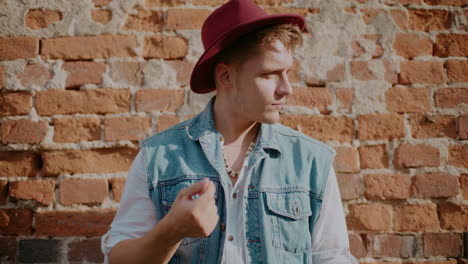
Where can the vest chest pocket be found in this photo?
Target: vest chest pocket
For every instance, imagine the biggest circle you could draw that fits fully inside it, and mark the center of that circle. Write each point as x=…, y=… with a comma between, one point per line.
x=289, y=214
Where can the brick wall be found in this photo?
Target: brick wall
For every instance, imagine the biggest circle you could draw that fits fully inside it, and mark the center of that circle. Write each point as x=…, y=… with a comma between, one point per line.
x=385, y=82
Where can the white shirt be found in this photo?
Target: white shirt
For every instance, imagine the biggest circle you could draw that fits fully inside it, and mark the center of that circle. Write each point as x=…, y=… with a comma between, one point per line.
x=136, y=216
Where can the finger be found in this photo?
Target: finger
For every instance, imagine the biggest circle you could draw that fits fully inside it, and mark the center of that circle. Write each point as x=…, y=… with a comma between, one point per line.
x=209, y=191
x=195, y=188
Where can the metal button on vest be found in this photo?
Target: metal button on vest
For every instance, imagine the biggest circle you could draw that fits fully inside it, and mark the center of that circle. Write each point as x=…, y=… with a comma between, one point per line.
x=234, y=195
x=230, y=238
x=223, y=227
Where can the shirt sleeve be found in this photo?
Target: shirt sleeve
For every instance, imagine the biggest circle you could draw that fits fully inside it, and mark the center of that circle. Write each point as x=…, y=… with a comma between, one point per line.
x=330, y=242
x=136, y=214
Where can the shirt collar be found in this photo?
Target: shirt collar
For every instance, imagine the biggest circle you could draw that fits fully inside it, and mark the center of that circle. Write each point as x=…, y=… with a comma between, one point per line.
x=203, y=124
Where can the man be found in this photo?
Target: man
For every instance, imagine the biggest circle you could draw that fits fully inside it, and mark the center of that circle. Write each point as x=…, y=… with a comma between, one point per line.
x=231, y=185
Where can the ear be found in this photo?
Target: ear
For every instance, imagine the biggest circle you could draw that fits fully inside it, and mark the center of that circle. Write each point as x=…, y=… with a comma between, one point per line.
x=223, y=76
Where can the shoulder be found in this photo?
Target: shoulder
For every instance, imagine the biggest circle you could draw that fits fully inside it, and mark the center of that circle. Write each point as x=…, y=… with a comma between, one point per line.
x=288, y=135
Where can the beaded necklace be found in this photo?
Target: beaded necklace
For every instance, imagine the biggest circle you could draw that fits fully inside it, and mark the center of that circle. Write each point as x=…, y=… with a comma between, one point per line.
x=230, y=171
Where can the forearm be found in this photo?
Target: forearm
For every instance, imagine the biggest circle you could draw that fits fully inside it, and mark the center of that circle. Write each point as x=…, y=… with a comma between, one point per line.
x=157, y=246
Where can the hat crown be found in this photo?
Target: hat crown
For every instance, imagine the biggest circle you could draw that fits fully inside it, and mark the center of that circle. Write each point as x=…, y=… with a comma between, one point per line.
x=227, y=17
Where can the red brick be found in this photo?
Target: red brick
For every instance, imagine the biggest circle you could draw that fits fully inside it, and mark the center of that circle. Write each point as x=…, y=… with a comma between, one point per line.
x=162, y=3
x=19, y=164
x=398, y=246
x=453, y=261
x=117, y=185
x=13, y=48
x=319, y=98
x=380, y=126
x=434, y=185
x=14, y=222
x=446, y=2
x=83, y=191
x=183, y=70
x=24, y=131
x=87, y=250
x=42, y=191
x=127, y=73
x=102, y=16
x=127, y=128
x=373, y=157
x=184, y=18
x=411, y=156
x=2, y=77
x=457, y=156
x=8, y=249
x=400, y=18
x=407, y=2
x=350, y=186
x=83, y=72
x=145, y=20
x=345, y=97
x=73, y=223
x=99, y=3
x=39, y=19
x=429, y=19
x=464, y=185
x=203, y=2
x=432, y=126
x=335, y=74
x=407, y=99
x=360, y=70
x=463, y=127
x=325, y=128
x=421, y=72
x=166, y=121
x=346, y=159
x=442, y=244
x=372, y=217
x=390, y=74
x=415, y=217
x=450, y=97
x=369, y=14
x=165, y=47
x=15, y=103
x=387, y=186
x=97, y=101
x=412, y=45
x=457, y=70
x=87, y=161
x=451, y=45
x=3, y=192
x=292, y=10
x=453, y=216
x=358, y=50
x=88, y=47
x=76, y=129
x=357, y=245
x=148, y=100
x=34, y=75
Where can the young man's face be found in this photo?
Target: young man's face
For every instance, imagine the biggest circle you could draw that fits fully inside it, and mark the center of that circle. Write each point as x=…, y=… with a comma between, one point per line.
x=261, y=85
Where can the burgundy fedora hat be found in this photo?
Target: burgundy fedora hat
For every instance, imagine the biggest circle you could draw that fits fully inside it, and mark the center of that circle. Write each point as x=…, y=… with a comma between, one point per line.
x=224, y=26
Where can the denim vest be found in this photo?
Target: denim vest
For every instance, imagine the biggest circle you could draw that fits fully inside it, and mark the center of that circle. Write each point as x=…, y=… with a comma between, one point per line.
x=284, y=193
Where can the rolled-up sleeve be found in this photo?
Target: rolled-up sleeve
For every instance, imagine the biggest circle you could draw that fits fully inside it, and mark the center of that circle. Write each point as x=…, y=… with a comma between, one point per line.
x=136, y=214
x=330, y=244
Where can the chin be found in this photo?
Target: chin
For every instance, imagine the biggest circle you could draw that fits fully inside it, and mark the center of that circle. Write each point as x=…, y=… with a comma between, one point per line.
x=270, y=118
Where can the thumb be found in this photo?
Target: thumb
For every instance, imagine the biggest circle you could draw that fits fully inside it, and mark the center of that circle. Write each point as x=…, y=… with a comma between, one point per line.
x=209, y=191
x=195, y=188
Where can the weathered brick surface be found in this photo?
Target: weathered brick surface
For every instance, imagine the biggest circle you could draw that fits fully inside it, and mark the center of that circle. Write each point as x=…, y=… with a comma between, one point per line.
x=117, y=185
x=357, y=246
x=429, y=20
x=404, y=100
x=183, y=70
x=24, y=131
x=39, y=18
x=361, y=71
x=83, y=72
x=345, y=99
x=85, y=250
x=19, y=164
x=350, y=186
x=145, y=20
x=130, y=128
x=42, y=191
x=15, y=103
x=13, y=48
x=166, y=121
x=87, y=161
x=2, y=77
x=98, y=101
x=3, y=191
x=34, y=75
x=445, y=2
x=8, y=249
x=399, y=246
x=410, y=156
x=415, y=217
x=380, y=126
x=432, y=126
x=372, y=217
x=14, y=222
x=83, y=191
x=457, y=70
x=412, y=45
x=186, y=18
x=76, y=129
x=346, y=159
x=322, y=127
x=387, y=186
x=99, y=3
x=128, y=73
x=373, y=157
x=464, y=185
x=73, y=223
x=451, y=45
x=148, y=100
x=434, y=185
x=319, y=98
x=453, y=216
x=164, y=3
x=39, y=250
x=450, y=97
x=102, y=16
x=457, y=156
x=165, y=47
x=421, y=72
x=88, y=47
x=442, y=244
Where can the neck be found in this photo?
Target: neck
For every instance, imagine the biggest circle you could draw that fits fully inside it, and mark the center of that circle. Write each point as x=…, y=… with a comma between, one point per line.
x=231, y=125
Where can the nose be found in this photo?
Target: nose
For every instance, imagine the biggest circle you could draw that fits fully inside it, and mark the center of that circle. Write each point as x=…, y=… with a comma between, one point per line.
x=284, y=87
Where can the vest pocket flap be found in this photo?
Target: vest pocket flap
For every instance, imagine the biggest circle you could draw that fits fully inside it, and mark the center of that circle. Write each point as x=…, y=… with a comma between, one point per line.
x=169, y=191
x=293, y=205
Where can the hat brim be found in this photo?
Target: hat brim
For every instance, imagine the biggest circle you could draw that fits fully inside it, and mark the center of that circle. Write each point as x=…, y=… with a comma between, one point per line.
x=201, y=80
